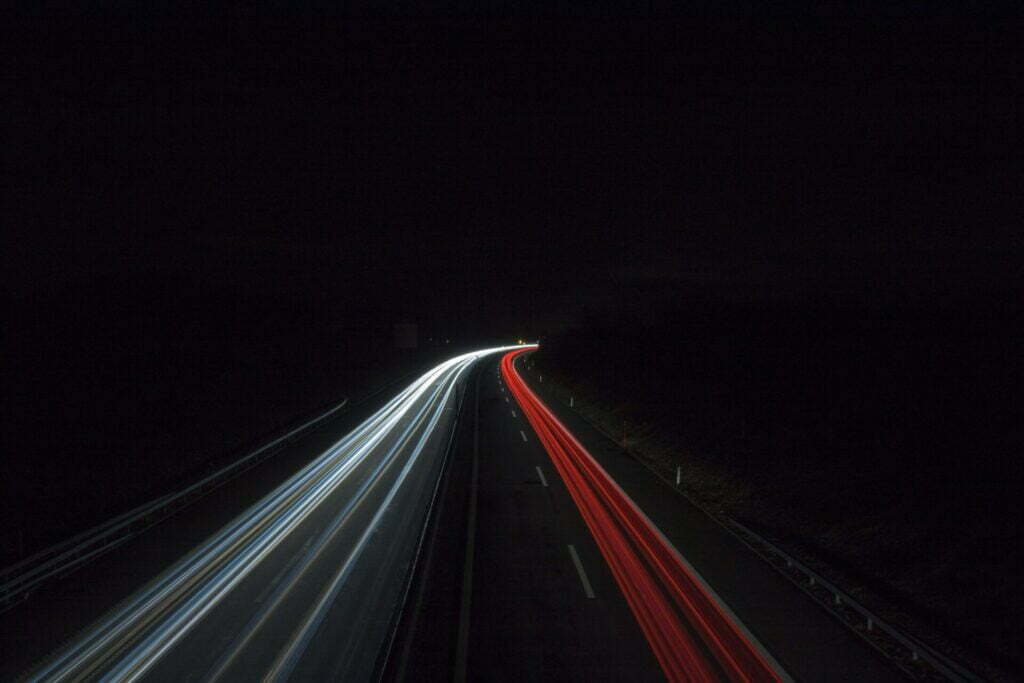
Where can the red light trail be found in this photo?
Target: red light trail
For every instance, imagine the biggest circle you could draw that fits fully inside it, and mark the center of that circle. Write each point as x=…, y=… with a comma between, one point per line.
x=667, y=600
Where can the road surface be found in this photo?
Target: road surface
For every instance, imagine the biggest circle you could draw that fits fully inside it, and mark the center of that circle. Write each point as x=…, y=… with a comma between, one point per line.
x=469, y=529
x=306, y=584
x=541, y=596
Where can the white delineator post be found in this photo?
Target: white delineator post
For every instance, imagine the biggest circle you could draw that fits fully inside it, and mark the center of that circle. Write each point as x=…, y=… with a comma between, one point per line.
x=679, y=474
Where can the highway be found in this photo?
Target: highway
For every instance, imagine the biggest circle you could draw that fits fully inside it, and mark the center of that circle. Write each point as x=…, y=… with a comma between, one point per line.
x=305, y=584
x=690, y=631
x=576, y=563
x=468, y=529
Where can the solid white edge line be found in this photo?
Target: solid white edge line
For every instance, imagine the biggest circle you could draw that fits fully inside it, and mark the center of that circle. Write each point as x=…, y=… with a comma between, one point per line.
x=579, y=570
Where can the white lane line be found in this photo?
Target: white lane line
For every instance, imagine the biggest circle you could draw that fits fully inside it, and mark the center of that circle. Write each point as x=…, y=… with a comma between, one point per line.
x=583, y=574
x=513, y=413
x=506, y=399
x=522, y=435
x=540, y=473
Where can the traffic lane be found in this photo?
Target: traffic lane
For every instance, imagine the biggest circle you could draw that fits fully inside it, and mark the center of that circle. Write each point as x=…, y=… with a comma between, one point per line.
x=63, y=608
x=249, y=637
x=428, y=635
x=183, y=594
x=806, y=640
x=532, y=616
x=349, y=643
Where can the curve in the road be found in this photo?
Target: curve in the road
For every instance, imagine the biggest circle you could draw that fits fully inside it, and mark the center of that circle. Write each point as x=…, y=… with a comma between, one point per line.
x=357, y=495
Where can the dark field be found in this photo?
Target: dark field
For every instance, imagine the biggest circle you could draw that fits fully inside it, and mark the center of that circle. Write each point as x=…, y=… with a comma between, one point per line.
x=879, y=444
x=115, y=403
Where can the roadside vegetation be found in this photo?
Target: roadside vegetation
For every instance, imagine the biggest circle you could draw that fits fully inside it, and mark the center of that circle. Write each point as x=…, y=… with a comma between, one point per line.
x=879, y=445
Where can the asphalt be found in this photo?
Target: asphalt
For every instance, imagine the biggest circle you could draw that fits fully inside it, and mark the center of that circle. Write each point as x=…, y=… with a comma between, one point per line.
x=508, y=584
x=805, y=639
x=60, y=609
x=519, y=610
x=531, y=615
x=521, y=604
x=280, y=594
x=249, y=630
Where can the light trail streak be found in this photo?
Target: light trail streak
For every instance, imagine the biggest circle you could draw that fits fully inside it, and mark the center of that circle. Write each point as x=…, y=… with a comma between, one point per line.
x=689, y=632
x=133, y=637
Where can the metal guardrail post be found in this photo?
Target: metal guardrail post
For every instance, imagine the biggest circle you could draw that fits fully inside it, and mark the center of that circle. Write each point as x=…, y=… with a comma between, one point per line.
x=917, y=650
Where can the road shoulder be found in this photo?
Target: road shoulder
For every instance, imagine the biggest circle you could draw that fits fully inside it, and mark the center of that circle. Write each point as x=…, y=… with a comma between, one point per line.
x=808, y=642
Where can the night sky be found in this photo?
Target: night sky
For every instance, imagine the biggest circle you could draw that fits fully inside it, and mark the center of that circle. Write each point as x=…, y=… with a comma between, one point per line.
x=234, y=207
x=498, y=176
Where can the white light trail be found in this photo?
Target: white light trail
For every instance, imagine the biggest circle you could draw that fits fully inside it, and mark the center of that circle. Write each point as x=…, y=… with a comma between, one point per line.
x=135, y=635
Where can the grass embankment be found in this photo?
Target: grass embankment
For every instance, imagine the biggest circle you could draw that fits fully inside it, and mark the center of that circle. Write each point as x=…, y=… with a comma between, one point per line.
x=878, y=446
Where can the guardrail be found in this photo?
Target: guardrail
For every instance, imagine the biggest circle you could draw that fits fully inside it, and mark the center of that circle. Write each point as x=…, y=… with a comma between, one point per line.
x=869, y=626
x=20, y=579
x=835, y=597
